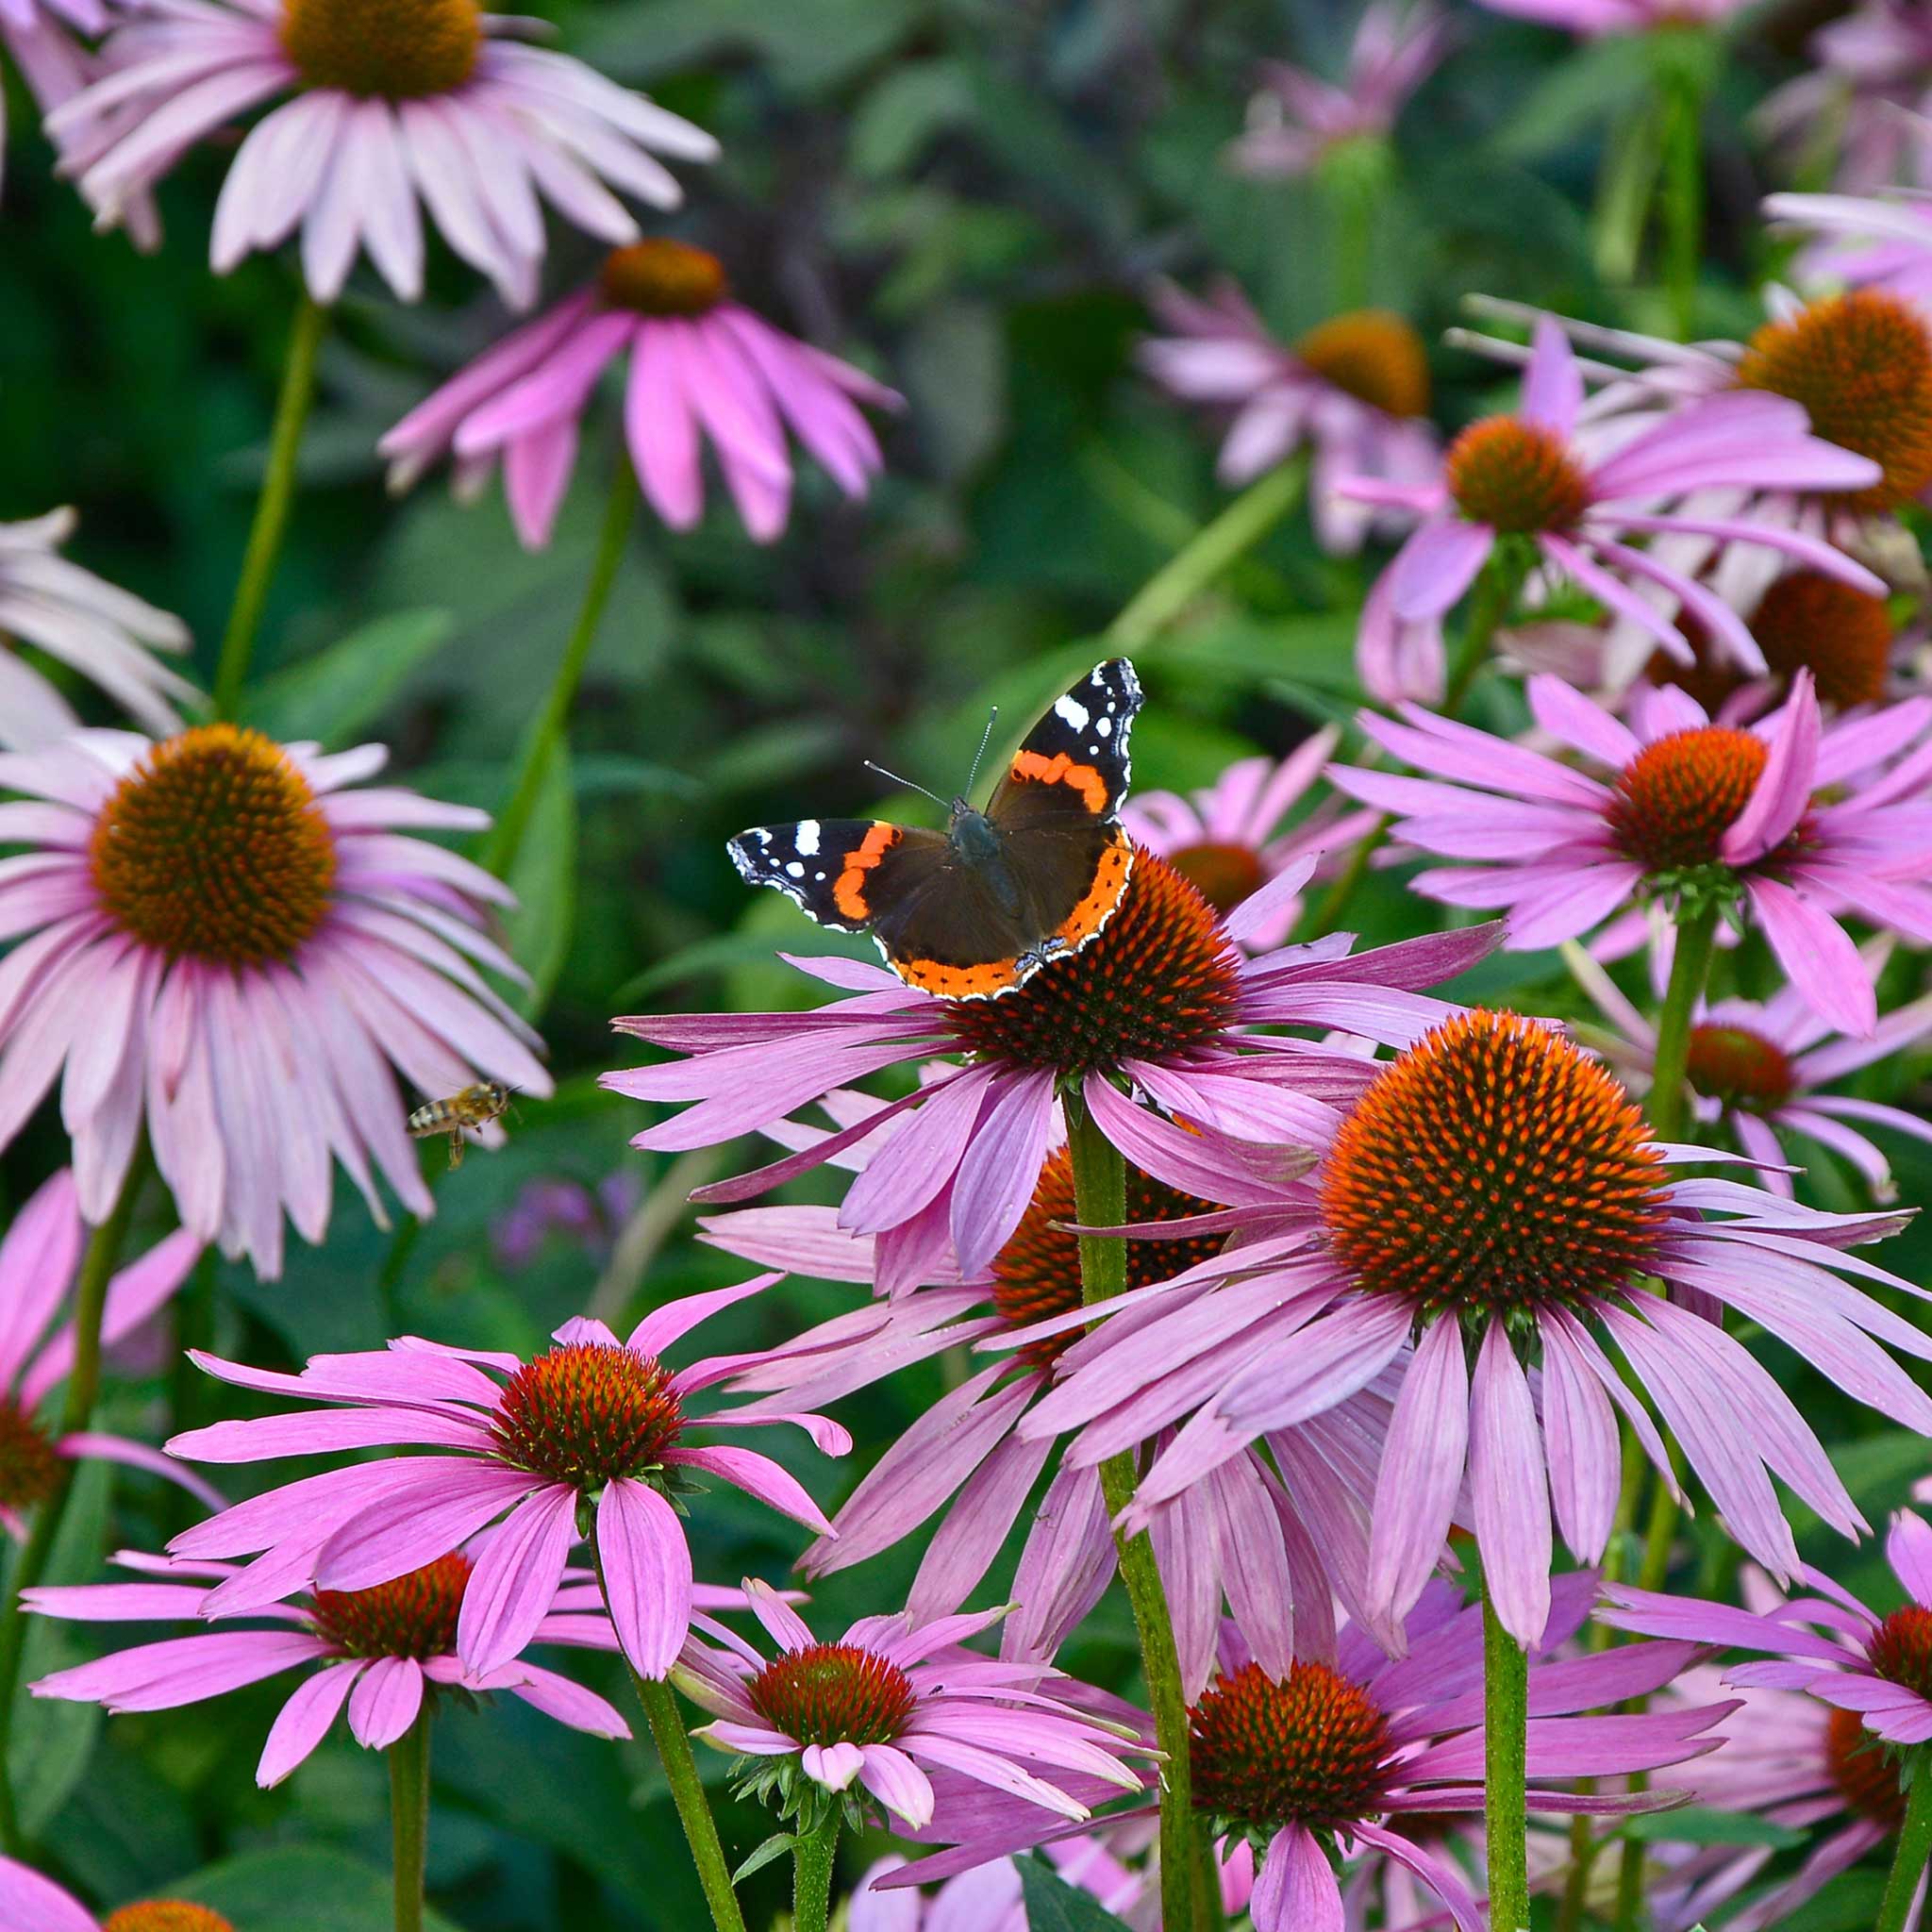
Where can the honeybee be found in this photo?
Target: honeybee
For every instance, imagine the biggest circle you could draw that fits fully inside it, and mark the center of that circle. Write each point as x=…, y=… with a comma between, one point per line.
x=463, y=1114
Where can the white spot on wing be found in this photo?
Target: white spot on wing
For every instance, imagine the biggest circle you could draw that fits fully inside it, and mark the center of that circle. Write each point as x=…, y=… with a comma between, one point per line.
x=1105, y=725
x=807, y=837
x=1072, y=712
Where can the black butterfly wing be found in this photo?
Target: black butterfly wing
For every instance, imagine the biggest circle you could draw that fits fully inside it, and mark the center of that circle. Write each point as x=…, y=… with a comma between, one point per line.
x=1073, y=763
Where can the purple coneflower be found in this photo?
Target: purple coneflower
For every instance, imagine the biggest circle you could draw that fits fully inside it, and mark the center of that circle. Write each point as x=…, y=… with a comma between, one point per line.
x=107, y=635
x=1496, y=1192
x=1875, y=244
x=1161, y=996
x=1228, y=842
x=1798, y=821
x=702, y=368
x=394, y=109
x=1591, y=18
x=1532, y=479
x=379, y=1649
x=592, y=1423
x=40, y=36
x=1760, y=1068
x=1334, y=1755
x=889, y=1705
x=1355, y=387
x=1297, y=117
x=1869, y=73
x=29, y=1903
x=1275, y=1547
x=221, y=938
x=38, y=1261
x=989, y=1899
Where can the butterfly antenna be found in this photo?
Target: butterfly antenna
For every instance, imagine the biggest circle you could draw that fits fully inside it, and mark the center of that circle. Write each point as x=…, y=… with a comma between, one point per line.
x=908, y=784
x=985, y=739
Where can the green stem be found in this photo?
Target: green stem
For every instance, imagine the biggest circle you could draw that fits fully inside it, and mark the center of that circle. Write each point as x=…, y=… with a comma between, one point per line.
x=408, y=1806
x=271, y=507
x=1909, y=1861
x=813, y=1855
x=1682, y=196
x=687, y=1790
x=548, y=730
x=1495, y=597
x=1696, y=938
x=1220, y=543
x=1100, y=1196
x=1505, y=1746
x=76, y=1408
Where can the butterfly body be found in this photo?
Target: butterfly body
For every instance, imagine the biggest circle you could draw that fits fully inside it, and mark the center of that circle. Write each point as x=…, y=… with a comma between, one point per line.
x=973, y=911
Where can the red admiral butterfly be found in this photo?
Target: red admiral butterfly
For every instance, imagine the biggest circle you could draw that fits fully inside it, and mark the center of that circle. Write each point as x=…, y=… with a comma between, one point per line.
x=973, y=911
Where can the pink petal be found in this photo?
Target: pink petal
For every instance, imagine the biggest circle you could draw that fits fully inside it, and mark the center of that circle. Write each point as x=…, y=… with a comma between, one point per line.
x=647, y=1574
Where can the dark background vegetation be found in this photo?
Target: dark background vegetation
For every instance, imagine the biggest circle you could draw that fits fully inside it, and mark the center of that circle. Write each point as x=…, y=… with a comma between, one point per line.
x=966, y=196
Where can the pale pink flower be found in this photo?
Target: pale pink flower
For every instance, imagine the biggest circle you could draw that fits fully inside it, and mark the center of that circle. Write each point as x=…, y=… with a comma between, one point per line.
x=42, y=37
x=1763, y=1070
x=1881, y=241
x=105, y=634
x=1796, y=823
x=1297, y=117
x=1870, y=72
x=378, y=1651
x=1319, y=1758
x=38, y=1259
x=1161, y=998
x=31, y=1903
x=1543, y=478
x=1591, y=18
x=592, y=1423
x=1356, y=389
x=1494, y=1195
x=1229, y=840
x=988, y=1898
x=389, y=111
x=891, y=1704
x=225, y=942
x=702, y=368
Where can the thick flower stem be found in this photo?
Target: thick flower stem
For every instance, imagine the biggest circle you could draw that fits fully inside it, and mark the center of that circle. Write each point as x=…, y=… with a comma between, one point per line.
x=1222, y=543
x=271, y=507
x=1682, y=185
x=1689, y=967
x=1914, y=1846
x=1495, y=597
x=687, y=1790
x=547, y=730
x=1100, y=1200
x=1505, y=1746
x=76, y=1408
x=408, y=1805
x=813, y=1855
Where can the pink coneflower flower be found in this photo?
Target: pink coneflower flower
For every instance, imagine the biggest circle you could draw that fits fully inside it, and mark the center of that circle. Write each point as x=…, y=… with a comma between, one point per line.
x=1162, y=997
x=1591, y=18
x=590, y=1421
x=29, y=1903
x=702, y=369
x=889, y=1704
x=379, y=1649
x=1529, y=480
x=1333, y=1756
x=435, y=106
x=1297, y=117
x=39, y=36
x=1797, y=822
x=38, y=1259
x=1227, y=842
x=1355, y=387
x=219, y=938
x=1760, y=1068
x=1869, y=72
x=988, y=1898
x=1877, y=244
x=1275, y=1547
x=1497, y=1191
x=1794, y=1762
x=83, y=621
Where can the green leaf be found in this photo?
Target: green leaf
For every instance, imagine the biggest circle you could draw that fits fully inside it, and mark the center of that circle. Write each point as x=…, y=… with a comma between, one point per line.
x=544, y=878
x=1053, y=1905
x=1699, y=1824
x=292, y=1889
x=338, y=693
x=773, y=1847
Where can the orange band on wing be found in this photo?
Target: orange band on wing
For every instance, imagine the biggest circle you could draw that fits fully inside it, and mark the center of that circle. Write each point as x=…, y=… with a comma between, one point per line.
x=848, y=889
x=1102, y=895
x=1061, y=770
x=981, y=982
